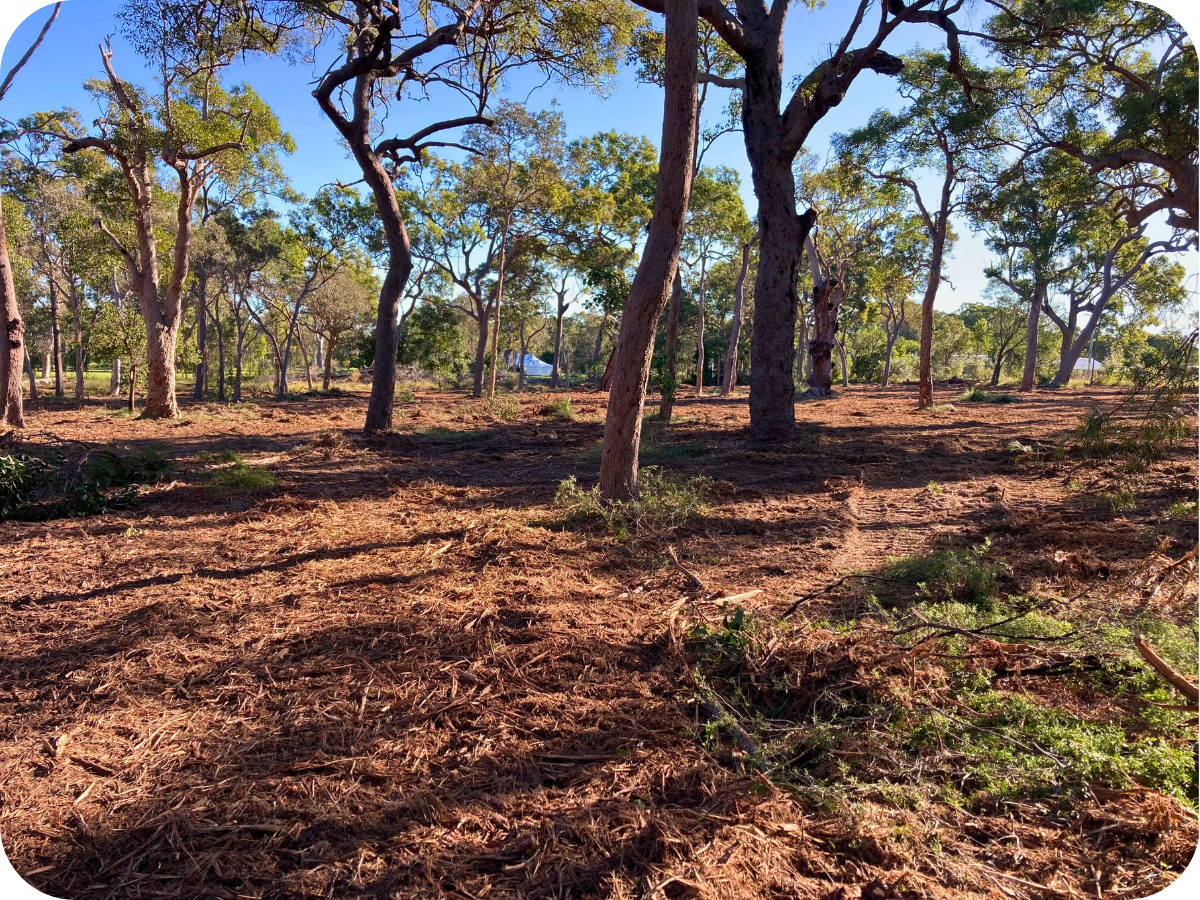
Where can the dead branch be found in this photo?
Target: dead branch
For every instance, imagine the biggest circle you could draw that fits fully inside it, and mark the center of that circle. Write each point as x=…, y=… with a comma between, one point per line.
x=1160, y=665
x=696, y=583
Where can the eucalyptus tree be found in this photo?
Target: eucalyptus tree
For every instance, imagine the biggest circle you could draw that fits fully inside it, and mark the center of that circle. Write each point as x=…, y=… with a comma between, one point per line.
x=12, y=330
x=775, y=130
x=196, y=128
x=659, y=264
x=456, y=55
x=340, y=304
x=894, y=276
x=516, y=180
x=855, y=214
x=717, y=227
x=1112, y=83
x=1125, y=268
x=739, y=306
x=947, y=129
x=998, y=327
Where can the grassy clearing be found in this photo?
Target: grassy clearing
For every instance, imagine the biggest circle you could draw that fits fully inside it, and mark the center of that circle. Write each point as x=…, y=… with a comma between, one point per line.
x=664, y=504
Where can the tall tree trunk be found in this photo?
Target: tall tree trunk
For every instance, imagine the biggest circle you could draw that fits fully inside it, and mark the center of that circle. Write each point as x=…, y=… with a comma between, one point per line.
x=820, y=349
x=700, y=331
x=996, y=368
x=501, y=272
x=887, y=359
x=660, y=260
x=201, y=333
x=925, y=363
x=481, y=346
x=56, y=340
x=77, y=329
x=599, y=339
x=841, y=349
x=132, y=388
x=114, y=378
x=1029, y=376
x=32, y=377
x=328, y=376
x=670, y=376
x=220, y=351
x=735, y=332
x=12, y=343
x=802, y=355
x=558, y=327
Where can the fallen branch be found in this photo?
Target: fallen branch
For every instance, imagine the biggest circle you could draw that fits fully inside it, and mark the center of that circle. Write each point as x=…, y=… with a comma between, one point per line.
x=825, y=590
x=695, y=582
x=1160, y=665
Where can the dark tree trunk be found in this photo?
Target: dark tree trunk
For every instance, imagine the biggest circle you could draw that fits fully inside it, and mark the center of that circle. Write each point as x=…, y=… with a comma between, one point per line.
x=481, y=347
x=700, y=333
x=826, y=300
x=660, y=260
x=925, y=367
x=329, y=347
x=12, y=343
x=670, y=376
x=1029, y=376
x=56, y=341
x=887, y=360
x=841, y=349
x=201, y=333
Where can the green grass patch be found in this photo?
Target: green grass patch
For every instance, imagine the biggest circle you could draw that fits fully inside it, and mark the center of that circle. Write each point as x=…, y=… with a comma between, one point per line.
x=959, y=574
x=449, y=435
x=975, y=395
x=503, y=407
x=1184, y=509
x=559, y=407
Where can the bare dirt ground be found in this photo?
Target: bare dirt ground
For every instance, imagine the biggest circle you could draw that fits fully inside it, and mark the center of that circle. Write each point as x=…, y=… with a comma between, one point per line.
x=395, y=673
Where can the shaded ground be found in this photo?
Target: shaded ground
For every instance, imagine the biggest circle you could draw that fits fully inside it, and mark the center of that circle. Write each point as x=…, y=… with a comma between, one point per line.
x=394, y=672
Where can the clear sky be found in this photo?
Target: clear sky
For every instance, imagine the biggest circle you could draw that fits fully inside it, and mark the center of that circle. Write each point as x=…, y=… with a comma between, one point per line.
x=54, y=78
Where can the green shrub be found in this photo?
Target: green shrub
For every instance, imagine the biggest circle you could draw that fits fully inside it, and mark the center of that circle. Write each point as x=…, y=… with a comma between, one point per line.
x=559, y=407
x=240, y=476
x=16, y=484
x=975, y=395
x=663, y=504
x=502, y=407
x=957, y=574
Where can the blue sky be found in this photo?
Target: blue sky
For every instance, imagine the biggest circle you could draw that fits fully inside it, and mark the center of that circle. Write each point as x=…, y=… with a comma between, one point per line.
x=54, y=78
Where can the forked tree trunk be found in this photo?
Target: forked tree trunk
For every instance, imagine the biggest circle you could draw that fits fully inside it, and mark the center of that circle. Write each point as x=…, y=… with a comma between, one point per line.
x=12, y=343
x=887, y=361
x=660, y=260
x=670, y=380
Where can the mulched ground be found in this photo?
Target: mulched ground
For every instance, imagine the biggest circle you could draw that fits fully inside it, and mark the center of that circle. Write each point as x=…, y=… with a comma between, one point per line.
x=393, y=674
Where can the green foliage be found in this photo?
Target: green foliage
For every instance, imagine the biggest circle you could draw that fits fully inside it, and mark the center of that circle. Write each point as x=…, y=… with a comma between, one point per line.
x=975, y=395
x=237, y=475
x=663, y=505
x=51, y=485
x=958, y=574
x=559, y=407
x=504, y=407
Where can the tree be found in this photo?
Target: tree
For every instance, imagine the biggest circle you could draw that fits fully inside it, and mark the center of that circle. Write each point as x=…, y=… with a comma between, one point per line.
x=997, y=327
x=660, y=259
x=197, y=128
x=893, y=277
x=403, y=49
x=717, y=226
x=945, y=128
x=12, y=336
x=774, y=134
x=1111, y=83
x=735, y=330
x=339, y=304
x=853, y=215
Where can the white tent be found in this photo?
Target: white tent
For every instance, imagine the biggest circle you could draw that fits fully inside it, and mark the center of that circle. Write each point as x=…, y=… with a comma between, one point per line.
x=1087, y=364
x=534, y=366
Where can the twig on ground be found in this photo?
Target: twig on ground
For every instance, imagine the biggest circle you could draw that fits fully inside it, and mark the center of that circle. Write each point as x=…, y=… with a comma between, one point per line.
x=825, y=590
